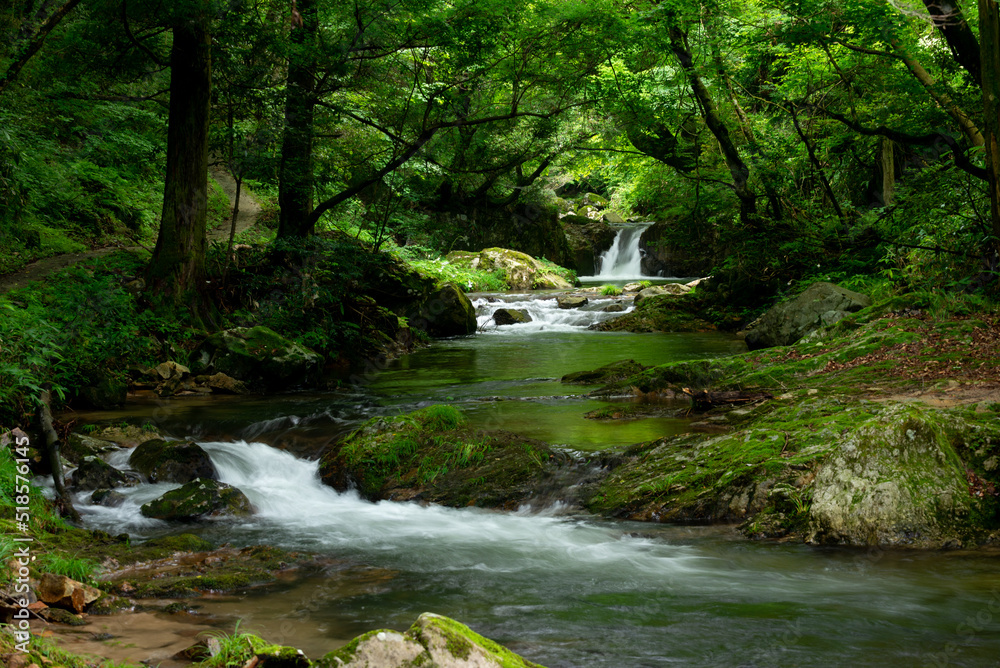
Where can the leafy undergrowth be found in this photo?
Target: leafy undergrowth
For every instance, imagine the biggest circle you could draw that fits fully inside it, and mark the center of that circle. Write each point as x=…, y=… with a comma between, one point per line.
x=431, y=455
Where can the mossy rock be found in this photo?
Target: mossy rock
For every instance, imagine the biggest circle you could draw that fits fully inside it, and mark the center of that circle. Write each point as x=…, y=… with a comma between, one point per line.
x=819, y=469
x=172, y=461
x=95, y=473
x=821, y=304
x=661, y=313
x=433, y=640
x=431, y=455
x=198, y=499
x=445, y=312
x=511, y=316
x=609, y=373
x=77, y=446
x=260, y=357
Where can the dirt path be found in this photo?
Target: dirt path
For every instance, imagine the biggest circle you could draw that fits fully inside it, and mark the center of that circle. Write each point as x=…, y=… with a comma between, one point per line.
x=249, y=206
x=247, y=216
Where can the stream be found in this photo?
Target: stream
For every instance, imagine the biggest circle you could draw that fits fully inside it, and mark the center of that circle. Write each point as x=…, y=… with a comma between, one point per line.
x=557, y=586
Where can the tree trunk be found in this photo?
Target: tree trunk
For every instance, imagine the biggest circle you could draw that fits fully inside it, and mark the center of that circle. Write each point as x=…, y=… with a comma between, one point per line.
x=295, y=177
x=888, y=167
x=989, y=39
x=52, y=452
x=178, y=264
x=737, y=168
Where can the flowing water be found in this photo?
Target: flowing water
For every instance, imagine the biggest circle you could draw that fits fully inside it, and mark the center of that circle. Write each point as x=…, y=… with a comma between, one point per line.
x=623, y=261
x=557, y=586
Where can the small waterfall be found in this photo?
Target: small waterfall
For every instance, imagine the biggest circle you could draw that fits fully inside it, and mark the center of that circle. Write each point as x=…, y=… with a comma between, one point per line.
x=623, y=261
x=545, y=314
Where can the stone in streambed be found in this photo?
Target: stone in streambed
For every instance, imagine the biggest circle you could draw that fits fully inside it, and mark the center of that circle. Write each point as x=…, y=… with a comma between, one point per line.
x=572, y=301
x=199, y=498
x=63, y=592
x=433, y=640
x=95, y=473
x=511, y=316
x=172, y=461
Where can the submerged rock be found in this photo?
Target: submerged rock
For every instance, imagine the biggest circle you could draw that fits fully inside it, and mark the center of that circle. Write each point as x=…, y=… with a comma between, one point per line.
x=108, y=498
x=199, y=498
x=819, y=305
x=433, y=640
x=172, y=461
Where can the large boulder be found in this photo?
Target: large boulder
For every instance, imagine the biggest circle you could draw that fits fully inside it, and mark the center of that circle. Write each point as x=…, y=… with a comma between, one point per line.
x=663, y=255
x=199, y=498
x=63, y=592
x=657, y=290
x=260, y=357
x=511, y=316
x=897, y=480
x=520, y=271
x=445, y=312
x=172, y=461
x=77, y=446
x=819, y=305
x=572, y=301
x=433, y=640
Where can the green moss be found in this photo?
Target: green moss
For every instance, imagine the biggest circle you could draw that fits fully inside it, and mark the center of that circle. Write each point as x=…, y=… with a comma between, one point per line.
x=430, y=454
x=461, y=639
x=662, y=313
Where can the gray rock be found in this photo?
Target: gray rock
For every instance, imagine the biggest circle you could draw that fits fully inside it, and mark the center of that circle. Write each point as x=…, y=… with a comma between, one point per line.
x=613, y=218
x=613, y=308
x=95, y=473
x=894, y=481
x=433, y=640
x=666, y=289
x=572, y=301
x=448, y=312
x=511, y=316
x=172, y=461
x=819, y=305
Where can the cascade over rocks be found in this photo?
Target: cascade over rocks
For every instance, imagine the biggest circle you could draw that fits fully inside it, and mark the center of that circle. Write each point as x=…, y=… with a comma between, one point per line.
x=260, y=357
x=821, y=304
x=172, y=461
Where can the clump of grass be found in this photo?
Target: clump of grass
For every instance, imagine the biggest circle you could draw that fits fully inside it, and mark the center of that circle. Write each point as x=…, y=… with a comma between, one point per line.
x=73, y=567
x=610, y=290
x=645, y=284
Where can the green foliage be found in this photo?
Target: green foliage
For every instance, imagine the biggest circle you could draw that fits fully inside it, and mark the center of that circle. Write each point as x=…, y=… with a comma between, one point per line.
x=610, y=290
x=76, y=328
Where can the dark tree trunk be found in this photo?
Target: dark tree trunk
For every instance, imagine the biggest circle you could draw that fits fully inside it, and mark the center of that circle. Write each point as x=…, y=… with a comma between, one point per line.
x=989, y=37
x=295, y=178
x=737, y=168
x=948, y=18
x=178, y=264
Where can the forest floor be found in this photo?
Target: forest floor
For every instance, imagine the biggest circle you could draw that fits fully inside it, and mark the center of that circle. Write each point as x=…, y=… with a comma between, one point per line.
x=249, y=211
